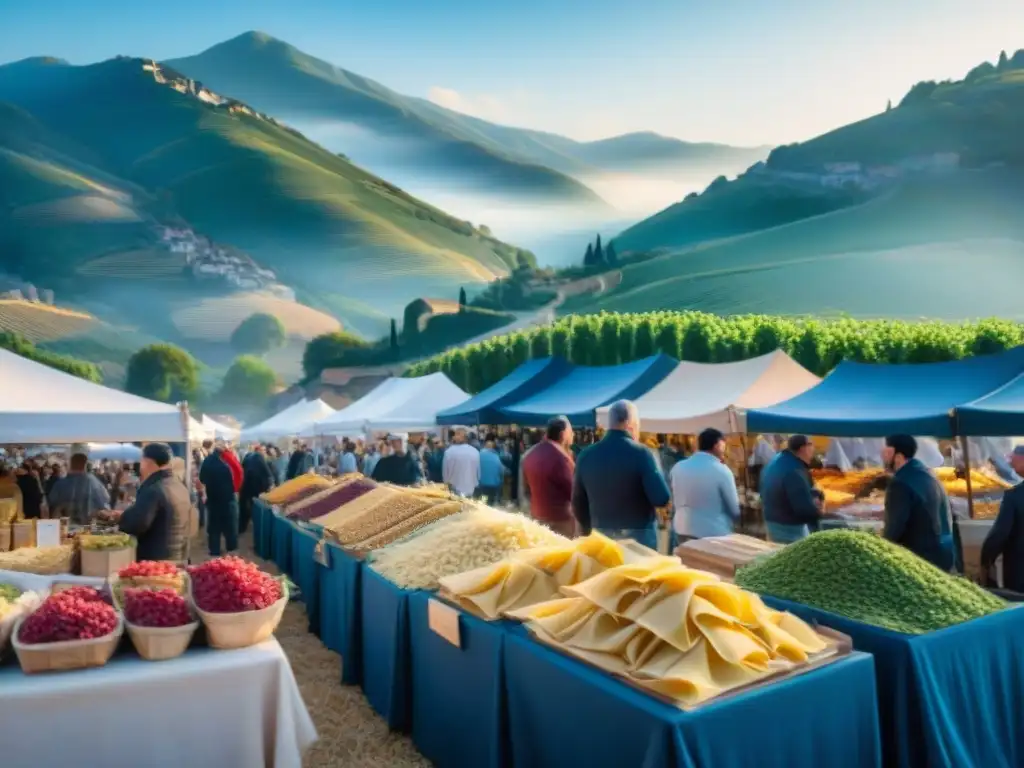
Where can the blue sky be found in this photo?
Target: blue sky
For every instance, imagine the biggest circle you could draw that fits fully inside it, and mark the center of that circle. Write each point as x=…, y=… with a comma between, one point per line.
x=736, y=71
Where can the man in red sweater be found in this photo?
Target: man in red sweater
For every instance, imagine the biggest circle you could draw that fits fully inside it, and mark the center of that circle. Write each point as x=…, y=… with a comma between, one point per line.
x=548, y=473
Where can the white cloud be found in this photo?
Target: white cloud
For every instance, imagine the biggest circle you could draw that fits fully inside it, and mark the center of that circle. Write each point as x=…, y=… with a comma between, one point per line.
x=485, y=106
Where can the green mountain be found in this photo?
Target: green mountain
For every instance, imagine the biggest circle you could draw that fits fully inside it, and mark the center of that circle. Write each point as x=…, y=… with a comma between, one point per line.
x=913, y=212
x=97, y=162
x=937, y=128
x=282, y=80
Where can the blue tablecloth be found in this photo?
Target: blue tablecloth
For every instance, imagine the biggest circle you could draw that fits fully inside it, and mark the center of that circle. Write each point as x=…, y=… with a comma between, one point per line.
x=949, y=698
x=458, y=694
x=340, y=615
x=385, y=649
x=258, y=510
x=306, y=577
x=282, y=554
x=564, y=712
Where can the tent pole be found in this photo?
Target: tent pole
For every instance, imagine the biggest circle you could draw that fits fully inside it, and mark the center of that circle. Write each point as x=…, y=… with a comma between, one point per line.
x=183, y=408
x=965, y=446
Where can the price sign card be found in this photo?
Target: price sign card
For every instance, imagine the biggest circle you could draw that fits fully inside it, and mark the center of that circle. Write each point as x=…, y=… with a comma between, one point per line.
x=444, y=621
x=48, y=533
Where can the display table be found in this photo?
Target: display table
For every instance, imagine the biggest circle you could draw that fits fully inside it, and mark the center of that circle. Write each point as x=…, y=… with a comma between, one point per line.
x=385, y=649
x=226, y=708
x=282, y=544
x=951, y=697
x=262, y=517
x=340, y=615
x=564, y=712
x=458, y=690
x=304, y=570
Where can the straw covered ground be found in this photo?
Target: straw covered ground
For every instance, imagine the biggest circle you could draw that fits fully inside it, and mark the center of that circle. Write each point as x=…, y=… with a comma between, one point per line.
x=351, y=733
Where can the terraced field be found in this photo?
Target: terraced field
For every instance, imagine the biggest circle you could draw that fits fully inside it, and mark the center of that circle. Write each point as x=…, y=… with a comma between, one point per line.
x=40, y=323
x=138, y=264
x=214, y=319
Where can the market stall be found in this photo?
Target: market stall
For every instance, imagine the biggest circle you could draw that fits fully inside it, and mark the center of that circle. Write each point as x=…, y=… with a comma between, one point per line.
x=696, y=396
x=526, y=380
x=997, y=414
x=586, y=388
x=289, y=422
x=350, y=420
x=414, y=406
x=219, y=431
x=875, y=400
x=39, y=404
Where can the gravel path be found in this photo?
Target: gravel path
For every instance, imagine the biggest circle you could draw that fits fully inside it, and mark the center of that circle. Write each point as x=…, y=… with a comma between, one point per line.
x=351, y=733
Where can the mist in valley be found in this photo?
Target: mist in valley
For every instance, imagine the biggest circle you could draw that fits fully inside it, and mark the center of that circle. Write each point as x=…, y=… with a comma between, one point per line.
x=557, y=233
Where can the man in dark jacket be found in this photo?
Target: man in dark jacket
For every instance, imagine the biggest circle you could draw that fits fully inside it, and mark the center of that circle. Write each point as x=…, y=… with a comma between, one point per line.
x=221, y=502
x=790, y=506
x=257, y=479
x=160, y=517
x=1007, y=535
x=300, y=462
x=618, y=484
x=917, y=513
x=400, y=467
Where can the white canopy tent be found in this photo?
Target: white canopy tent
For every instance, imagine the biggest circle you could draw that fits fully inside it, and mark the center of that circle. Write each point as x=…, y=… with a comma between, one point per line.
x=351, y=420
x=124, y=452
x=290, y=422
x=219, y=431
x=413, y=405
x=39, y=404
x=696, y=396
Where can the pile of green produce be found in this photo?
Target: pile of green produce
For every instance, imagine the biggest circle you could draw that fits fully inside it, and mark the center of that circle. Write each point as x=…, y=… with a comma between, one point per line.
x=105, y=541
x=866, y=578
x=9, y=592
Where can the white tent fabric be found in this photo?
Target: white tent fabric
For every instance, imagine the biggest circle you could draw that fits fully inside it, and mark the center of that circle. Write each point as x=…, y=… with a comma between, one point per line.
x=413, y=404
x=39, y=404
x=836, y=457
x=350, y=420
x=289, y=422
x=218, y=430
x=197, y=432
x=696, y=396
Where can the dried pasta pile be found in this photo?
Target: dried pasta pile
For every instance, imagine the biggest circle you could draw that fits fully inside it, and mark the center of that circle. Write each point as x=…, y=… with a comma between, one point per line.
x=475, y=538
x=679, y=632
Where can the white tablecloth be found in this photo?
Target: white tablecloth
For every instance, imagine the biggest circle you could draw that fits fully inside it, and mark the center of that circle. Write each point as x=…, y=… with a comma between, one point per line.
x=229, y=709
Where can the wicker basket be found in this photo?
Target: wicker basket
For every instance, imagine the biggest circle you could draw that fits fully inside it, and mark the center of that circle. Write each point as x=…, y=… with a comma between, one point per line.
x=240, y=630
x=152, y=582
x=161, y=643
x=67, y=655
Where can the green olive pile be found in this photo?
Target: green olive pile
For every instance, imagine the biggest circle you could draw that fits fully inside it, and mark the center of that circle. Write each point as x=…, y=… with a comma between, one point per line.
x=9, y=592
x=868, y=579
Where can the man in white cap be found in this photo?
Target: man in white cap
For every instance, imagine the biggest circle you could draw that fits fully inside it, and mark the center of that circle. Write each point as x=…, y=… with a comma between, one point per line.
x=461, y=466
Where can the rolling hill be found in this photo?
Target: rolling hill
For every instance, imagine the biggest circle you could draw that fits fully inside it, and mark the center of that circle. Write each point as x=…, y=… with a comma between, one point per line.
x=96, y=160
x=282, y=80
x=948, y=249
x=938, y=128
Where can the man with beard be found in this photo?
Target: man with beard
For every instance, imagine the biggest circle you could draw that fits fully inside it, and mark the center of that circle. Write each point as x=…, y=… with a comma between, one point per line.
x=917, y=513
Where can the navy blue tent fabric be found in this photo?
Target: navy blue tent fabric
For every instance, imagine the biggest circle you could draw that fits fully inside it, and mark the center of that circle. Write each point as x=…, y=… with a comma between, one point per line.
x=340, y=612
x=587, y=388
x=458, y=693
x=526, y=380
x=1000, y=414
x=564, y=712
x=951, y=697
x=385, y=651
x=874, y=400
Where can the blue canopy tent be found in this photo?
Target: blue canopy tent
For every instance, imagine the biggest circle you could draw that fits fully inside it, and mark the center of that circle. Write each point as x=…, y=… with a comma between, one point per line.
x=526, y=380
x=874, y=400
x=998, y=414
x=586, y=388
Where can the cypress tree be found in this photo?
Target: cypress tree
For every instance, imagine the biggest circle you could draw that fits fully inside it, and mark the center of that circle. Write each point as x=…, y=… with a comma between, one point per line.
x=394, y=336
x=462, y=300
x=598, y=252
x=588, y=257
x=610, y=256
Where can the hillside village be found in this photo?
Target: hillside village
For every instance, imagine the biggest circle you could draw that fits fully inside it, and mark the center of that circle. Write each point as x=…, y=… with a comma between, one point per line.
x=208, y=261
x=857, y=175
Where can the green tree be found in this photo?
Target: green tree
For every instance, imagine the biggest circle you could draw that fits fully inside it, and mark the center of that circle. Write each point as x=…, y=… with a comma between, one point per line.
x=609, y=333
x=163, y=372
x=611, y=257
x=258, y=334
x=249, y=380
x=561, y=346
x=1004, y=62
x=22, y=347
x=330, y=349
x=598, y=252
x=462, y=299
x=643, y=344
x=540, y=343
x=670, y=340
x=394, y=337
x=588, y=257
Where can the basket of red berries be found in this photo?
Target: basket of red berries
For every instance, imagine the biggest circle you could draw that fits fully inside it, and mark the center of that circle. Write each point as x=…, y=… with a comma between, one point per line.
x=239, y=604
x=75, y=628
x=160, y=622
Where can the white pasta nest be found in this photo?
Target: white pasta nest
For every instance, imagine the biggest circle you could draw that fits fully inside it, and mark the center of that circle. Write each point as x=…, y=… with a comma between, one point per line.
x=471, y=539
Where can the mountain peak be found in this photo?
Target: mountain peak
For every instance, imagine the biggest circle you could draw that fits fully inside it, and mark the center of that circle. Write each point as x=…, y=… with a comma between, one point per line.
x=249, y=42
x=37, y=61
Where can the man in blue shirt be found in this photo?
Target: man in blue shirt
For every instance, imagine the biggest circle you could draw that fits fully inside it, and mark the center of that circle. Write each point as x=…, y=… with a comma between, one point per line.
x=492, y=474
x=704, y=491
x=618, y=484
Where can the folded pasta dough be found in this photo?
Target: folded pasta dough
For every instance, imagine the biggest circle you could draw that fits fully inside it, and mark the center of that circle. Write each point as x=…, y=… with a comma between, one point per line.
x=609, y=662
x=563, y=620
x=607, y=552
x=495, y=589
x=785, y=634
x=694, y=676
x=601, y=632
